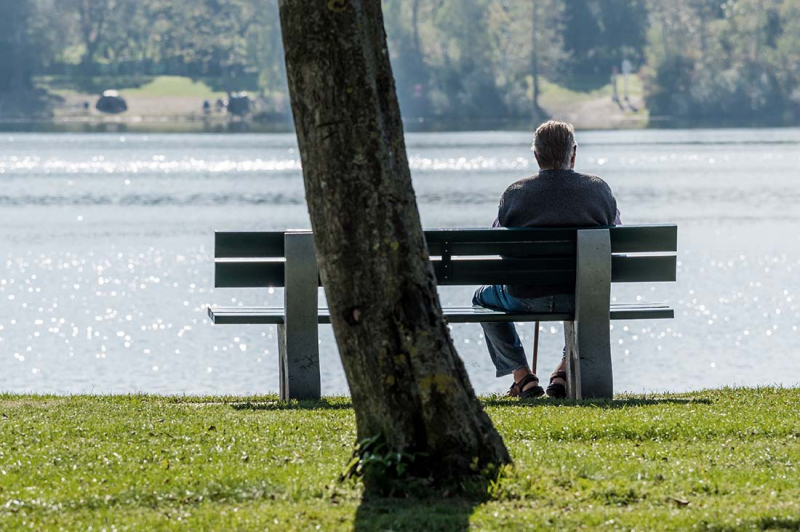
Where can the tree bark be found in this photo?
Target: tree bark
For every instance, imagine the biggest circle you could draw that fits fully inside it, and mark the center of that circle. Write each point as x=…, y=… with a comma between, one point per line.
x=408, y=384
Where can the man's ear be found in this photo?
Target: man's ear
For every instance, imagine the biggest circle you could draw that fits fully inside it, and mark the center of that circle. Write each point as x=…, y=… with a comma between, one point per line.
x=574, y=157
x=537, y=159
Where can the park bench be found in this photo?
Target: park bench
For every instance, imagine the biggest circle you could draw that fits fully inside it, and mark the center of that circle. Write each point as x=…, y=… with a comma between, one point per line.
x=580, y=261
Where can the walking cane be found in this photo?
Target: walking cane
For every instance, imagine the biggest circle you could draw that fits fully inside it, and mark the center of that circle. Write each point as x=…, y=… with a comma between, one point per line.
x=535, y=348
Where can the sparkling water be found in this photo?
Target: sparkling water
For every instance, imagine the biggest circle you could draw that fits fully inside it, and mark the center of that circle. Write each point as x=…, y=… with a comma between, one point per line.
x=106, y=255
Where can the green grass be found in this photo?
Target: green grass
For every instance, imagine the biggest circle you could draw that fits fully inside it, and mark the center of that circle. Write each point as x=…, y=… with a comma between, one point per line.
x=720, y=460
x=559, y=94
x=129, y=86
x=162, y=86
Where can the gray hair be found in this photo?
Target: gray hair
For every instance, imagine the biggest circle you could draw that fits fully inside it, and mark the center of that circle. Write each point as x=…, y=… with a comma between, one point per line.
x=553, y=144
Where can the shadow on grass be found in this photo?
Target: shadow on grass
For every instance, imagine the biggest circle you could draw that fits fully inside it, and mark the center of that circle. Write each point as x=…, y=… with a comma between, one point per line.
x=414, y=514
x=786, y=524
x=321, y=404
x=592, y=403
x=345, y=404
x=584, y=82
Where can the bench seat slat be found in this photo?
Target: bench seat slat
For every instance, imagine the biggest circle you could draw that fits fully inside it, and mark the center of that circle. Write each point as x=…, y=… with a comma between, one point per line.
x=277, y=316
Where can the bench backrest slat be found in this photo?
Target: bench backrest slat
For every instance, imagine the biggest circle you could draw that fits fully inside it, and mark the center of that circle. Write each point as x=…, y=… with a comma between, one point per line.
x=248, y=244
x=254, y=259
x=249, y=273
x=643, y=269
x=532, y=242
x=644, y=239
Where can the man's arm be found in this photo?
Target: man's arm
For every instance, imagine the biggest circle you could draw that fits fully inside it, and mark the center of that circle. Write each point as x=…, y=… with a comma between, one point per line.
x=618, y=219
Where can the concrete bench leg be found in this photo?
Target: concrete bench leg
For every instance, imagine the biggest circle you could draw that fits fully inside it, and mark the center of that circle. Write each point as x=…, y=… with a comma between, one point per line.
x=298, y=339
x=589, y=373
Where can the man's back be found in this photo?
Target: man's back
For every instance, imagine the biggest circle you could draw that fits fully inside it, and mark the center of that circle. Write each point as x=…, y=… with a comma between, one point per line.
x=558, y=198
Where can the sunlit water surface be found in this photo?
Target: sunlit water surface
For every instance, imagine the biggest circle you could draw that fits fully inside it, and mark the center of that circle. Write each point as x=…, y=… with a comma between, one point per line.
x=106, y=255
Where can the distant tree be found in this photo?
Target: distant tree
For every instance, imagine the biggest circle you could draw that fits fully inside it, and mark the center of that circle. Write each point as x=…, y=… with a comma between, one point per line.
x=15, y=58
x=787, y=44
x=536, y=50
x=582, y=33
x=265, y=49
x=600, y=34
x=93, y=21
x=463, y=69
x=409, y=388
x=528, y=49
x=51, y=32
x=403, y=28
x=212, y=38
x=722, y=66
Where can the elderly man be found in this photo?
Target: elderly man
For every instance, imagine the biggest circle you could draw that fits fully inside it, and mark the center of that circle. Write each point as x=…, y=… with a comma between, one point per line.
x=557, y=196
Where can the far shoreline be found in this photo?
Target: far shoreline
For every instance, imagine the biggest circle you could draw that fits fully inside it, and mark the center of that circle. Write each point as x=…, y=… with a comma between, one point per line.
x=197, y=125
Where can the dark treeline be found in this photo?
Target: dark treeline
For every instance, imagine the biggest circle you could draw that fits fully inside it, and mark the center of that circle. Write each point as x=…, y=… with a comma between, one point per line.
x=702, y=61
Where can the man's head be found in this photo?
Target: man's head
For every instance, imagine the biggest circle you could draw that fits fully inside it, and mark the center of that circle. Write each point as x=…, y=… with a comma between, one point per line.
x=554, y=146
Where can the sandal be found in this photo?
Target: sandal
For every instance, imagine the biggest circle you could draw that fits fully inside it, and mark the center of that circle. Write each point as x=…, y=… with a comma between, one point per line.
x=518, y=388
x=556, y=390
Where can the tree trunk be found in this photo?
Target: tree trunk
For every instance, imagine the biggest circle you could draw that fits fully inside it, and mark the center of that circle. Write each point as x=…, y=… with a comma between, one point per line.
x=408, y=385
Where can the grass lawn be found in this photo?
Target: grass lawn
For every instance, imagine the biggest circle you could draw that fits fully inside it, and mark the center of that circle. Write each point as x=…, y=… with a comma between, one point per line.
x=175, y=86
x=553, y=94
x=720, y=460
x=593, y=107
x=146, y=86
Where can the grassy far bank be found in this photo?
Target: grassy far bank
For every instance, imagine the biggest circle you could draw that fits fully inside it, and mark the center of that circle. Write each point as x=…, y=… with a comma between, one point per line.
x=150, y=86
x=159, y=96
x=175, y=98
x=718, y=460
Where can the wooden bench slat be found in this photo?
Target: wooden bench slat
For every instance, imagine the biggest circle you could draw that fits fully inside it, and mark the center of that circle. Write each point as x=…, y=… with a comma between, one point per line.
x=494, y=270
x=244, y=244
x=277, y=316
x=250, y=273
x=481, y=241
x=643, y=269
x=511, y=249
x=644, y=239
x=501, y=234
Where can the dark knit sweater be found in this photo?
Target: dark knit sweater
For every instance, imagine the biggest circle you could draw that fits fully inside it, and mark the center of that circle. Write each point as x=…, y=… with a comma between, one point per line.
x=556, y=198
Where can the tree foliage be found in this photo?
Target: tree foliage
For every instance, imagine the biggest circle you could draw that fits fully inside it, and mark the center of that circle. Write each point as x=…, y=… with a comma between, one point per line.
x=15, y=65
x=459, y=60
x=735, y=61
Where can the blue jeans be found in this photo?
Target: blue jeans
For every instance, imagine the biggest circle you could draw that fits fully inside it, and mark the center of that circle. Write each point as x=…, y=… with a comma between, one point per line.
x=505, y=347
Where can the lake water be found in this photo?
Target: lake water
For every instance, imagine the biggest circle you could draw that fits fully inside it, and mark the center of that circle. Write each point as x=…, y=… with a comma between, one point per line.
x=106, y=255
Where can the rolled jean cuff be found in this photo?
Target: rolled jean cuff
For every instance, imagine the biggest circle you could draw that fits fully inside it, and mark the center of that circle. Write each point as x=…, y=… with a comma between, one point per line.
x=503, y=372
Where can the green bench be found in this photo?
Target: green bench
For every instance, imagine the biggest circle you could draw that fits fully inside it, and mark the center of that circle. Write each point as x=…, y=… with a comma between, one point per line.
x=580, y=261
